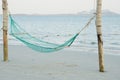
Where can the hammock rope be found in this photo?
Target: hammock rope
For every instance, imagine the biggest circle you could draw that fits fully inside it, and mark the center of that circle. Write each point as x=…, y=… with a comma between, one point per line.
x=37, y=44
x=1, y=29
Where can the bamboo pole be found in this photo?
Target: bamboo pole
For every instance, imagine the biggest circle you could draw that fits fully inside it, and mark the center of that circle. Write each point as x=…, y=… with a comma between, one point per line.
x=5, y=29
x=99, y=35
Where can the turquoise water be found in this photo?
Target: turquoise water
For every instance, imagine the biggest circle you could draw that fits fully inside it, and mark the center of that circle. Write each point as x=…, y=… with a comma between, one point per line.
x=58, y=28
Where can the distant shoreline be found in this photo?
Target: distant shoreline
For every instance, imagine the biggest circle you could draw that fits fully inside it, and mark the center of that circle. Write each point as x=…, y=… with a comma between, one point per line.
x=104, y=12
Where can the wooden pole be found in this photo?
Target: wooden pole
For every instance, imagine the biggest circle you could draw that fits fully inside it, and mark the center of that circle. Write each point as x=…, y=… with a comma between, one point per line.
x=99, y=35
x=5, y=29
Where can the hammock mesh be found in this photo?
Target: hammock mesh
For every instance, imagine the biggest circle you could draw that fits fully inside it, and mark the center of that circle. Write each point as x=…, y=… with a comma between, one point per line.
x=35, y=43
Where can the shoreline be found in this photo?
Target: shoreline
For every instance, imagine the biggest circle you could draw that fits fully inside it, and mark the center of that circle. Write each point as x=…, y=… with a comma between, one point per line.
x=107, y=51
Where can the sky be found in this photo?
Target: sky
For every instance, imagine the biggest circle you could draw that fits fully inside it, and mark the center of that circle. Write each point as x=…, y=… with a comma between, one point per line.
x=58, y=6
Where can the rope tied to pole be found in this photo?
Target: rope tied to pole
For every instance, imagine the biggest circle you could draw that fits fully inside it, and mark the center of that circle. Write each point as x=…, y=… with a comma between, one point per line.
x=87, y=24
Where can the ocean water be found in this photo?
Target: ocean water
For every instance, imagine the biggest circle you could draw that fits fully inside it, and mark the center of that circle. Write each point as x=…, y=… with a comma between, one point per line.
x=59, y=28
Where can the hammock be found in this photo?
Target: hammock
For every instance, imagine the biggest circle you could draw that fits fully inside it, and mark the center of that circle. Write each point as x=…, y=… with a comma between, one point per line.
x=35, y=43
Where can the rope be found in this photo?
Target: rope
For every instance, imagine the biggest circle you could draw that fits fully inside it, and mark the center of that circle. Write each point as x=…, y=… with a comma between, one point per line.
x=87, y=24
x=1, y=29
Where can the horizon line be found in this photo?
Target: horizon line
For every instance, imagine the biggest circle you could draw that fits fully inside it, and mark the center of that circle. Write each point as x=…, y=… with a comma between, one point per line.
x=77, y=13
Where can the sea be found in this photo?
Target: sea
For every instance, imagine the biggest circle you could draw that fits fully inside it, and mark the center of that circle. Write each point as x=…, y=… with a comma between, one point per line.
x=59, y=28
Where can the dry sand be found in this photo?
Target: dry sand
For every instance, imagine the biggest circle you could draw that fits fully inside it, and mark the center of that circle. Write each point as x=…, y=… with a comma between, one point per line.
x=67, y=64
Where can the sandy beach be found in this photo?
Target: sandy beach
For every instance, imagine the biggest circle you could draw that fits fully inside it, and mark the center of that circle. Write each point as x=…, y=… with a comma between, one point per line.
x=67, y=64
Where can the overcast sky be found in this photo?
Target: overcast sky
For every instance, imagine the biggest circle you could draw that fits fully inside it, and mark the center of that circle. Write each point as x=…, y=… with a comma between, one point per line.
x=58, y=6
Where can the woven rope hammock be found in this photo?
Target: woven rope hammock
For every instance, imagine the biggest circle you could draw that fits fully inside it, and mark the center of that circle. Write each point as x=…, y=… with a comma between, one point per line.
x=37, y=44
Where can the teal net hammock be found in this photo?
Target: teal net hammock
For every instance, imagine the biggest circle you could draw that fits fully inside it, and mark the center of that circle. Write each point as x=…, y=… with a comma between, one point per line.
x=35, y=43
